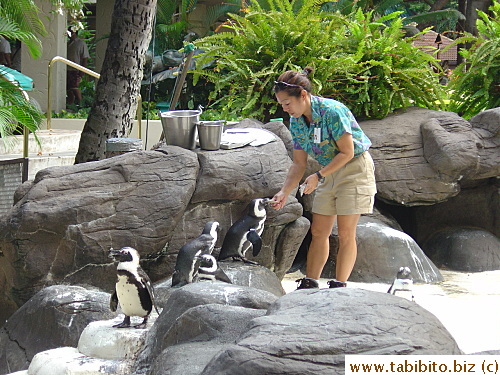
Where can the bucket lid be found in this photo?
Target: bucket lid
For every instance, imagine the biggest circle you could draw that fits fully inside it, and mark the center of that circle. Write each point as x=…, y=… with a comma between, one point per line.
x=210, y=123
x=180, y=113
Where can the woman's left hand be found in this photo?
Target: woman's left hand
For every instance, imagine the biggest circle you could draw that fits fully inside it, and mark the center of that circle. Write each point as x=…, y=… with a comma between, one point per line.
x=311, y=183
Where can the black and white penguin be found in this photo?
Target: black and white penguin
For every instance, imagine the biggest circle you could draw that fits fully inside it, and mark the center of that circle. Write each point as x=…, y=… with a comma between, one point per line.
x=246, y=232
x=402, y=282
x=133, y=289
x=188, y=261
x=210, y=270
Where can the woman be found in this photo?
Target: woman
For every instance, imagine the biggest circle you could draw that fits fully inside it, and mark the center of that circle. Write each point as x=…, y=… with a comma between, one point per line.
x=345, y=185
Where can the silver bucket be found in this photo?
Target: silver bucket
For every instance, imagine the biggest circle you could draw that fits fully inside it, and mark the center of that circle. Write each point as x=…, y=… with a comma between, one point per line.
x=179, y=127
x=210, y=134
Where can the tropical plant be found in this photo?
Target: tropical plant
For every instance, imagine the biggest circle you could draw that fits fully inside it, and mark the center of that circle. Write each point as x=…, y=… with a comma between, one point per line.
x=16, y=110
x=443, y=15
x=362, y=61
x=377, y=69
x=19, y=21
x=475, y=84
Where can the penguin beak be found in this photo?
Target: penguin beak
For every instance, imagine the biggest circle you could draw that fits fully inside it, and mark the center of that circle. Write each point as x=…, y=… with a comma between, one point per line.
x=113, y=253
x=268, y=201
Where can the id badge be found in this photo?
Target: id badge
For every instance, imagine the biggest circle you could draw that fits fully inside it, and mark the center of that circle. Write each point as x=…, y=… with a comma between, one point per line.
x=317, y=135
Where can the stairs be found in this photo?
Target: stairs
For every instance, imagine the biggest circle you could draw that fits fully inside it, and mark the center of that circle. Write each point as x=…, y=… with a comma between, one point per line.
x=57, y=147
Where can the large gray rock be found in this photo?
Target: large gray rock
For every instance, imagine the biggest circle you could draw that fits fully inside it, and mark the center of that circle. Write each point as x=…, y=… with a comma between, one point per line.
x=54, y=317
x=310, y=332
x=275, y=254
x=475, y=206
x=451, y=147
x=486, y=126
x=240, y=274
x=64, y=222
x=239, y=173
x=464, y=249
x=252, y=276
x=421, y=155
x=163, y=333
x=184, y=359
x=382, y=250
x=62, y=228
x=211, y=322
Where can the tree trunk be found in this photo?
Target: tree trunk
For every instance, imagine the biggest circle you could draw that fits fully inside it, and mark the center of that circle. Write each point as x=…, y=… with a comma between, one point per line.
x=117, y=90
x=471, y=15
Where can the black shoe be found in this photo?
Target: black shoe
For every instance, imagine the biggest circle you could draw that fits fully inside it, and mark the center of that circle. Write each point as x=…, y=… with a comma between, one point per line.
x=336, y=284
x=307, y=283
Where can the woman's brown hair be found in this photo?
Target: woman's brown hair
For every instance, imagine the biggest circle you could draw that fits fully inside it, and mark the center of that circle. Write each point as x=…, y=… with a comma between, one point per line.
x=293, y=82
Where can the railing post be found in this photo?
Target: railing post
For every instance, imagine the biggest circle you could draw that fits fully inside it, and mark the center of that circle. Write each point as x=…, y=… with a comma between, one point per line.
x=91, y=73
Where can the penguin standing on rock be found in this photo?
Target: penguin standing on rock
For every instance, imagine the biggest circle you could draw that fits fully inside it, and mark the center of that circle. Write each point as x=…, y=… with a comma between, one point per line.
x=402, y=282
x=133, y=289
x=246, y=232
x=210, y=270
x=188, y=261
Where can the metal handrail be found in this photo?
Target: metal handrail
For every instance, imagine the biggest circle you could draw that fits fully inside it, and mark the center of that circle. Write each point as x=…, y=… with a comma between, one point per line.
x=91, y=73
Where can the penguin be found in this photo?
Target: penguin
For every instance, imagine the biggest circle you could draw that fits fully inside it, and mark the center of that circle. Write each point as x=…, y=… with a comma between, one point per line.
x=188, y=261
x=133, y=289
x=402, y=282
x=209, y=269
x=246, y=232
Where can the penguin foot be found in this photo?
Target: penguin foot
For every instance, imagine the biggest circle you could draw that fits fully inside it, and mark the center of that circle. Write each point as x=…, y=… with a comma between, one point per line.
x=143, y=324
x=124, y=324
x=245, y=260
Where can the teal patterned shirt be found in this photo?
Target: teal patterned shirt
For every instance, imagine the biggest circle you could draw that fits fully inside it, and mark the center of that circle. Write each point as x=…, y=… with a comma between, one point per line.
x=334, y=119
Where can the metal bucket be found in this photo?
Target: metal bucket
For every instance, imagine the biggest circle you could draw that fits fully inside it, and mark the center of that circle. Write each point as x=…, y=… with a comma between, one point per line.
x=210, y=134
x=179, y=127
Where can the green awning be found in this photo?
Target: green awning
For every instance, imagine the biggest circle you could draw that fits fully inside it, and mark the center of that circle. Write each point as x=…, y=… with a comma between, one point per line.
x=25, y=82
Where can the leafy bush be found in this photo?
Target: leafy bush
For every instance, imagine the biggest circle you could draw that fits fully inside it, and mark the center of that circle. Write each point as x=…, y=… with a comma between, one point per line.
x=475, y=84
x=366, y=64
x=16, y=111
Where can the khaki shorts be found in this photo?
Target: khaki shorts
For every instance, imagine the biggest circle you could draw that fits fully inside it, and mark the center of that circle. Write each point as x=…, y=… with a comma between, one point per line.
x=350, y=190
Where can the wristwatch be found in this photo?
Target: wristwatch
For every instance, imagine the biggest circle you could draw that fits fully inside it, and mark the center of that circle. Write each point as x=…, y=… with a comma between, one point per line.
x=320, y=177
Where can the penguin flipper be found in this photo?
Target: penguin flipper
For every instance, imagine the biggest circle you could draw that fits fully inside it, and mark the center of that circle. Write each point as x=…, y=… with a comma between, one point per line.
x=221, y=276
x=175, y=278
x=113, y=302
x=254, y=238
x=390, y=288
x=149, y=287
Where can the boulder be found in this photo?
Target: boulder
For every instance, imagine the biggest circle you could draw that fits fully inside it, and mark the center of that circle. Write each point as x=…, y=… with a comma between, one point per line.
x=64, y=222
x=311, y=331
x=464, y=249
x=382, y=249
x=62, y=228
x=485, y=125
x=69, y=361
x=236, y=175
x=421, y=155
x=451, y=147
x=184, y=359
x=239, y=273
x=476, y=206
x=252, y=276
x=214, y=323
x=164, y=332
x=54, y=317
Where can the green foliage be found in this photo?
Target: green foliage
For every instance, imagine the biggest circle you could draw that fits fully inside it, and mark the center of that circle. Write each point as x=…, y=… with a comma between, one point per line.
x=16, y=111
x=475, y=84
x=364, y=62
x=19, y=20
x=377, y=70
x=172, y=22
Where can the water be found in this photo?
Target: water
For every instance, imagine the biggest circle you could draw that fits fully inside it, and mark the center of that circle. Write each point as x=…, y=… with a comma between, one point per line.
x=468, y=305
